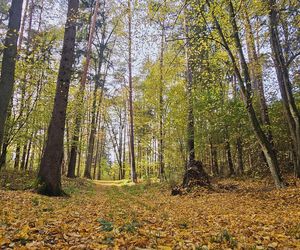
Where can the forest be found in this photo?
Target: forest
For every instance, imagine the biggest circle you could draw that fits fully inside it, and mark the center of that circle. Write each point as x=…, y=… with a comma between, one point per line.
x=150, y=124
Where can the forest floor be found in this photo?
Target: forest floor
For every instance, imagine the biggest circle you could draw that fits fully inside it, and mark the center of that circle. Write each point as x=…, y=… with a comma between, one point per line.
x=109, y=215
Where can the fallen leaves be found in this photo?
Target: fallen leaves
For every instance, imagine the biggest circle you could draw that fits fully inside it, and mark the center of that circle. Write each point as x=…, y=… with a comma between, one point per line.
x=147, y=217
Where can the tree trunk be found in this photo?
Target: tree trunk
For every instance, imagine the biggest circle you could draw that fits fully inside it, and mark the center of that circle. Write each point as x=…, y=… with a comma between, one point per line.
x=214, y=159
x=239, y=149
x=21, y=35
x=23, y=159
x=95, y=111
x=41, y=15
x=31, y=163
x=161, y=107
x=28, y=152
x=256, y=74
x=73, y=153
x=124, y=143
x=7, y=138
x=96, y=157
x=79, y=155
x=267, y=146
x=244, y=81
x=29, y=30
x=74, y=147
x=49, y=177
x=285, y=86
x=229, y=157
x=3, y=155
x=102, y=145
x=120, y=148
x=91, y=142
x=9, y=62
x=189, y=91
x=132, y=153
x=99, y=141
x=17, y=159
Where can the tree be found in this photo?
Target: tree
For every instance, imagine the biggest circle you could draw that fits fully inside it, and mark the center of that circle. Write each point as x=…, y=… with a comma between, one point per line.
x=161, y=104
x=189, y=90
x=245, y=85
x=132, y=153
x=9, y=62
x=100, y=79
x=244, y=81
x=281, y=66
x=255, y=69
x=74, y=147
x=49, y=176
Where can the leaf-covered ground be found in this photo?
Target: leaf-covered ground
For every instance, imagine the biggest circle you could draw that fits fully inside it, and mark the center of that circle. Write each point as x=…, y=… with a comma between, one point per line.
x=238, y=215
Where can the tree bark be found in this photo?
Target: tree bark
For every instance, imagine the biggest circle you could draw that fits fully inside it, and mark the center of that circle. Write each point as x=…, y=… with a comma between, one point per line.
x=256, y=74
x=213, y=159
x=28, y=152
x=291, y=110
x=120, y=147
x=239, y=149
x=79, y=155
x=161, y=107
x=49, y=176
x=96, y=157
x=132, y=152
x=3, y=155
x=23, y=159
x=244, y=81
x=9, y=62
x=95, y=113
x=17, y=159
x=124, y=141
x=31, y=163
x=29, y=30
x=21, y=35
x=101, y=152
x=91, y=143
x=74, y=147
x=267, y=146
x=189, y=91
x=229, y=157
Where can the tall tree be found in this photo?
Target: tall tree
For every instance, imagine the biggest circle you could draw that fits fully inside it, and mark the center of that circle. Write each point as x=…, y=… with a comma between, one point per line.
x=132, y=153
x=9, y=62
x=102, y=47
x=189, y=91
x=245, y=84
x=161, y=104
x=255, y=68
x=75, y=139
x=21, y=36
x=244, y=80
x=281, y=66
x=49, y=176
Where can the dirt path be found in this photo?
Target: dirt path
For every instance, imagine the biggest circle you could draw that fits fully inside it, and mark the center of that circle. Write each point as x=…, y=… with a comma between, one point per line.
x=100, y=184
x=114, y=216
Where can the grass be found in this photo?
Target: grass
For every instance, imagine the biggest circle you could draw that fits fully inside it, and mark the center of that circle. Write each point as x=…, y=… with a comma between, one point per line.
x=26, y=180
x=17, y=180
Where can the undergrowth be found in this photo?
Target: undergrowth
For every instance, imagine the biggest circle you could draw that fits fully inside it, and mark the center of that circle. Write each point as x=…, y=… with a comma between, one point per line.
x=26, y=180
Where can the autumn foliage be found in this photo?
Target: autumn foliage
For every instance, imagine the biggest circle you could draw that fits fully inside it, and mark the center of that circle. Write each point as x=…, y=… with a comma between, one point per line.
x=110, y=215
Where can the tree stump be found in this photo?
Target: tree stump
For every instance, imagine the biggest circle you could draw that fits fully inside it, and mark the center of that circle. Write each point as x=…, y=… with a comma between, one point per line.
x=194, y=176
